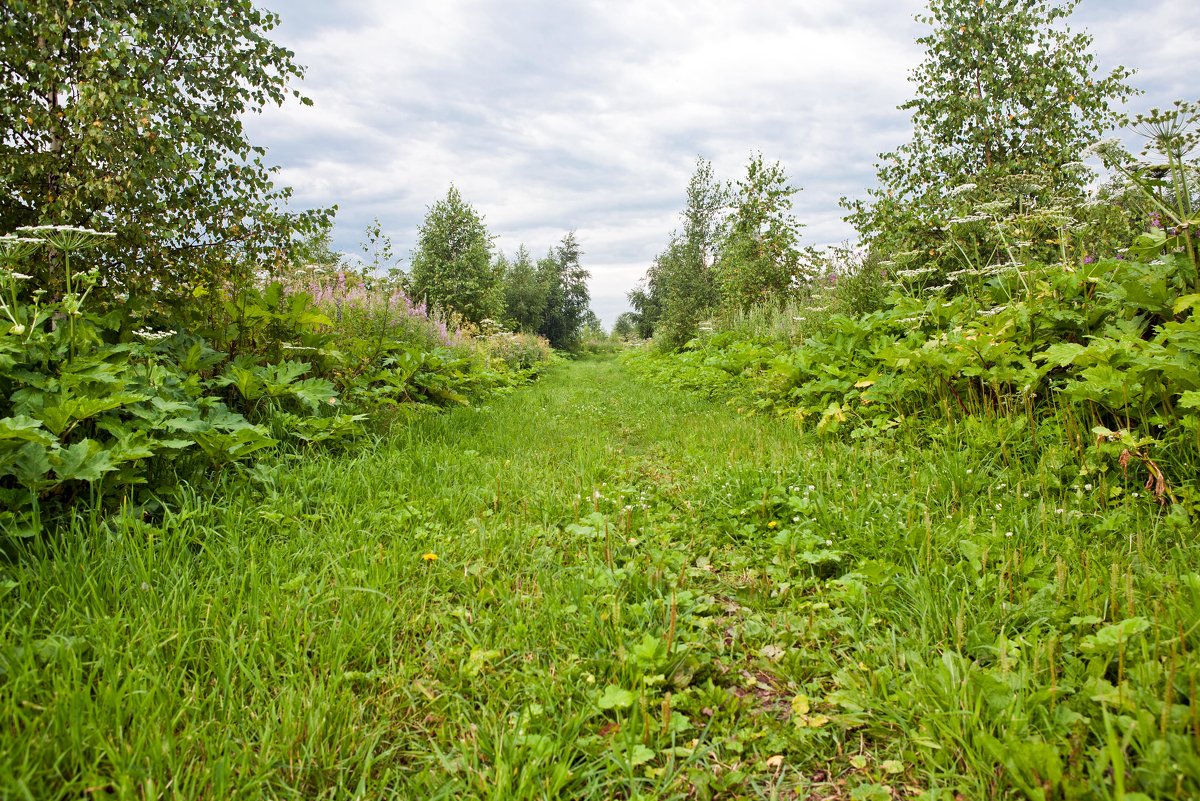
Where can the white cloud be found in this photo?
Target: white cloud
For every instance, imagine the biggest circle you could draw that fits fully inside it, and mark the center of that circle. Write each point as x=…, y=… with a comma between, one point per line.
x=552, y=115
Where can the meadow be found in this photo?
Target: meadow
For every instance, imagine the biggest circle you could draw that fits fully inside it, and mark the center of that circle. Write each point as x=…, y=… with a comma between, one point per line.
x=909, y=518
x=595, y=588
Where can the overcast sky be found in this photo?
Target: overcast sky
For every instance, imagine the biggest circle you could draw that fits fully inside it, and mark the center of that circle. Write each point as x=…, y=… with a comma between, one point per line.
x=553, y=115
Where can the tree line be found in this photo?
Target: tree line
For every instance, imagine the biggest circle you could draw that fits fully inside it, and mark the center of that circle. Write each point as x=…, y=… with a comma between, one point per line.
x=125, y=116
x=456, y=271
x=1007, y=100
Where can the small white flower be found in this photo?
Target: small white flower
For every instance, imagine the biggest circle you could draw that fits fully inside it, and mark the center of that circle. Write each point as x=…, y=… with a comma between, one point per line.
x=151, y=335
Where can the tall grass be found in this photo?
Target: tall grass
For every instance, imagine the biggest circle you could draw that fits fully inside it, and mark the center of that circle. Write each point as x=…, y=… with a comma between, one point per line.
x=598, y=589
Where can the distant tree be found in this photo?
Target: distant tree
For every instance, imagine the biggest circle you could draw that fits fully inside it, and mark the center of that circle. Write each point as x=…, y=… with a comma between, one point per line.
x=626, y=327
x=760, y=257
x=681, y=288
x=1006, y=89
x=524, y=294
x=452, y=267
x=593, y=327
x=379, y=253
x=127, y=116
x=315, y=252
x=567, y=297
x=646, y=300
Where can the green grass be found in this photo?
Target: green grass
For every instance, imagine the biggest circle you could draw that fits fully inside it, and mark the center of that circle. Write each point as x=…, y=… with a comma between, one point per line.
x=636, y=594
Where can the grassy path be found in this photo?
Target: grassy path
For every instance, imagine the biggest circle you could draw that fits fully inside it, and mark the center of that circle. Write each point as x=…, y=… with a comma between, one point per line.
x=297, y=641
x=592, y=588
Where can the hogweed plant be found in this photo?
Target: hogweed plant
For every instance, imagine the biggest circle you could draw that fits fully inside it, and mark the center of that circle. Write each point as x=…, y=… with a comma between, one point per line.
x=1168, y=187
x=14, y=250
x=68, y=240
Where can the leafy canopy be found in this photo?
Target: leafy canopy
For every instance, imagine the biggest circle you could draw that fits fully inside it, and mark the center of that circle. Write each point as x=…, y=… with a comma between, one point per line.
x=1005, y=89
x=452, y=267
x=567, y=298
x=760, y=260
x=126, y=116
x=681, y=286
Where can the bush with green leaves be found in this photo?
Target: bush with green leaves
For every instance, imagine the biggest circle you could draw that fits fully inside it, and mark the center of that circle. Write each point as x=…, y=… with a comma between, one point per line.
x=84, y=417
x=89, y=412
x=1101, y=355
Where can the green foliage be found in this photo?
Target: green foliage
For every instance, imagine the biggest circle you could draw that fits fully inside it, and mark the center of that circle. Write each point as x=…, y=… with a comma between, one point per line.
x=632, y=593
x=1169, y=190
x=87, y=417
x=1007, y=99
x=524, y=294
x=127, y=116
x=564, y=282
x=681, y=286
x=625, y=328
x=760, y=262
x=452, y=271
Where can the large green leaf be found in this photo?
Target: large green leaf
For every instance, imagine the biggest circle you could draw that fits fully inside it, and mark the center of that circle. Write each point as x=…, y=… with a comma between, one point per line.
x=59, y=417
x=24, y=429
x=86, y=460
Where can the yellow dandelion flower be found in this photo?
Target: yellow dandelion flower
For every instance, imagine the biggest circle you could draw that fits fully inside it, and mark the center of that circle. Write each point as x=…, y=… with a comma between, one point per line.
x=773, y=524
x=430, y=557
